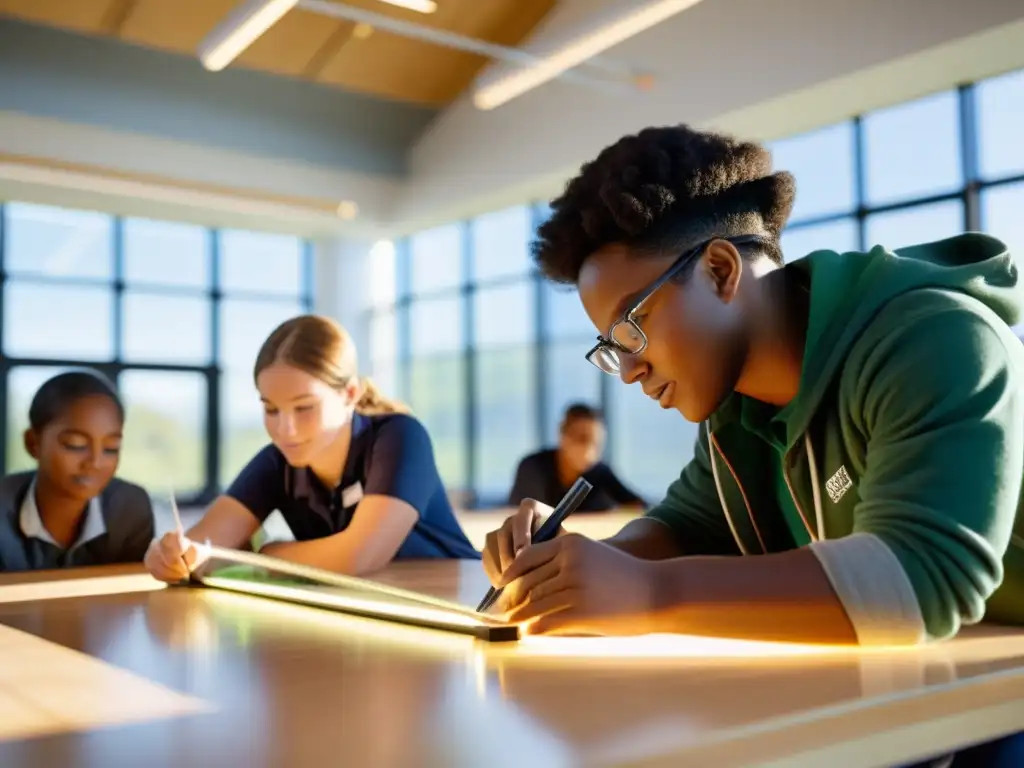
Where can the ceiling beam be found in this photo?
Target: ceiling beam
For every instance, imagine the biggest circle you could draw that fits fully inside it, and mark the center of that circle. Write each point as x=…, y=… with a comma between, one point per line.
x=322, y=56
x=116, y=15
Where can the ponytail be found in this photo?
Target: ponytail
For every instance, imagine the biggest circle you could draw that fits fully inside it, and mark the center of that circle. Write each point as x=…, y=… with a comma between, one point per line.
x=372, y=402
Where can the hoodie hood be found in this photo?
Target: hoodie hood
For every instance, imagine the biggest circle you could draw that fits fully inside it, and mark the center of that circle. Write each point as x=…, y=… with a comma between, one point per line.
x=847, y=290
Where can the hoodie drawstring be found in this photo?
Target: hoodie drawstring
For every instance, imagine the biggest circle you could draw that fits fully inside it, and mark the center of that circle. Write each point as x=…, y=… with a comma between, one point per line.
x=819, y=512
x=721, y=493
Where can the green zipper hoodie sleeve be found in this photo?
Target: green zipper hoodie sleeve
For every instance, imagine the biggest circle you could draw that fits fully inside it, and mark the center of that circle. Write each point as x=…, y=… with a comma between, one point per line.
x=935, y=381
x=692, y=510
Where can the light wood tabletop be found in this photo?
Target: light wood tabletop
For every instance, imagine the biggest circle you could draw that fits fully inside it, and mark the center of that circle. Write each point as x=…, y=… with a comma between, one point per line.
x=105, y=667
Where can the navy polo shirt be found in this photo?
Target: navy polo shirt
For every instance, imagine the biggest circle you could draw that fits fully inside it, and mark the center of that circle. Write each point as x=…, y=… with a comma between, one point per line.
x=390, y=455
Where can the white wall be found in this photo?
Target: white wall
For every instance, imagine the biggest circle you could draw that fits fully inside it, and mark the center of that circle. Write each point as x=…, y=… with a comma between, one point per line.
x=343, y=277
x=762, y=69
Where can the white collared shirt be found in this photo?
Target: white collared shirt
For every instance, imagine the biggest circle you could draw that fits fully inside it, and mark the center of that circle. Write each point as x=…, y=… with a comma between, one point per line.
x=32, y=524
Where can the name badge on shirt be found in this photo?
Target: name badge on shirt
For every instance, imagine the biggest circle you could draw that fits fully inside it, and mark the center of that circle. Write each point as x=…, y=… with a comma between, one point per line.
x=352, y=495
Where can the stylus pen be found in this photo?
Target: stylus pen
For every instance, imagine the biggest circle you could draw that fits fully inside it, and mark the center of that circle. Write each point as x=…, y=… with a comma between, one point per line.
x=179, y=527
x=177, y=516
x=569, y=504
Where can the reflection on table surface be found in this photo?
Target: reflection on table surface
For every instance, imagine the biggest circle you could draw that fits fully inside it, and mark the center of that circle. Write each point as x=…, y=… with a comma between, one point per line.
x=290, y=685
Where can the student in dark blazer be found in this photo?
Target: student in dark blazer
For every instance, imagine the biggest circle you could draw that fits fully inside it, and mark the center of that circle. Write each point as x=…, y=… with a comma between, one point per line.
x=547, y=475
x=71, y=511
x=352, y=475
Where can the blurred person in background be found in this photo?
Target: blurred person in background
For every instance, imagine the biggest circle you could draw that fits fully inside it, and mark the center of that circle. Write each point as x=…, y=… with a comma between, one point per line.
x=548, y=474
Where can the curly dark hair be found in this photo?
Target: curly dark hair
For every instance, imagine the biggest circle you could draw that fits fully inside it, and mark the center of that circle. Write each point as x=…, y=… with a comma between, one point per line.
x=665, y=188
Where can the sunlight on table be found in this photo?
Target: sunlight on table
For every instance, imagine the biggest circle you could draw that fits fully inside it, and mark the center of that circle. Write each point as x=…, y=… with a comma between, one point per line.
x=46, y=689
x=87, y=587
x=559, y=650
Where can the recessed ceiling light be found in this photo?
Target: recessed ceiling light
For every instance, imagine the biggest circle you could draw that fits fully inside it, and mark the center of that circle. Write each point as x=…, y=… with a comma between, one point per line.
x=361, y=31
x=347, y=210
x=423, y=6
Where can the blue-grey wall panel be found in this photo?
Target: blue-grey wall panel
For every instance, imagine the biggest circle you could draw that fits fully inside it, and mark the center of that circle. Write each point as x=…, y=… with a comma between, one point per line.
x=50, y=73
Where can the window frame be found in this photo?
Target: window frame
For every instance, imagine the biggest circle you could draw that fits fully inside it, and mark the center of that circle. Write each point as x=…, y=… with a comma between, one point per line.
x=117, y=364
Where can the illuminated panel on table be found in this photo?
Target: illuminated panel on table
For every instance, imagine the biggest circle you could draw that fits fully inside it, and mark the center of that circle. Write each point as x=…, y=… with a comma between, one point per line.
x=269, y=577
x=664, y=652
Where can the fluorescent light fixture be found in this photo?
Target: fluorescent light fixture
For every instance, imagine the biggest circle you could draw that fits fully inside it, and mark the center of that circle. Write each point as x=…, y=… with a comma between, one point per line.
x=630, y=21
x=200, y=200
x=292, y=582
x=239, y=29
x=423, y=6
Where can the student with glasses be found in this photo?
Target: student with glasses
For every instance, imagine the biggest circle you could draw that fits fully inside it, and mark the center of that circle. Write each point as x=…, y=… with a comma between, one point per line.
x=857, y=474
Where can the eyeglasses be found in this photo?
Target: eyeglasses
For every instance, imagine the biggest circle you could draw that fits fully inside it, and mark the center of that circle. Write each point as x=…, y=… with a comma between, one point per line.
x=626, y=336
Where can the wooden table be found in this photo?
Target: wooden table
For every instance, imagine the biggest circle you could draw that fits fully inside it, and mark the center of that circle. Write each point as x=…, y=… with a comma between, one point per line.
x=189, y=677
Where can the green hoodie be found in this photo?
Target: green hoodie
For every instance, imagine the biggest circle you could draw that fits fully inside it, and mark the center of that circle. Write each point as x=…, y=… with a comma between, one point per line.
x=900, y=459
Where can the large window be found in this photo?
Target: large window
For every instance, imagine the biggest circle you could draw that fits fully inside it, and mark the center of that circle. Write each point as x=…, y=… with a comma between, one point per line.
x=173, y=313
x=382, y=364
x=489, y=354
x=505, y=408
x=264, y=280
x=456, y=339
x=567, y=335
x=437, y=380
x=911, y=173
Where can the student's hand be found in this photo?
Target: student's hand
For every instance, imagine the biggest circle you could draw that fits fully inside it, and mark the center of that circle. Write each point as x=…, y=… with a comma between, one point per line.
x=515, y=533
x=167, y=556
x=573, y=585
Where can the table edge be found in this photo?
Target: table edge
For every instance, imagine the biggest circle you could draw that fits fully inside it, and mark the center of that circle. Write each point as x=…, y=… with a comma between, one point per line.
x=882, y=731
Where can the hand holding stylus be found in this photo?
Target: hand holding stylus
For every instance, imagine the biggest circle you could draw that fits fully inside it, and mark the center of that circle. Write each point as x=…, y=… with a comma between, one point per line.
x=172, y=557
x=555, y=582
x=523, y=535
x=572, y=585
x=513, y=536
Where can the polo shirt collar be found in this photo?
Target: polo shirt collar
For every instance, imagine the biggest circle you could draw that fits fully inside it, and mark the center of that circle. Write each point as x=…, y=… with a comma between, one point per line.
x=304, y=488
x=32, y=524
